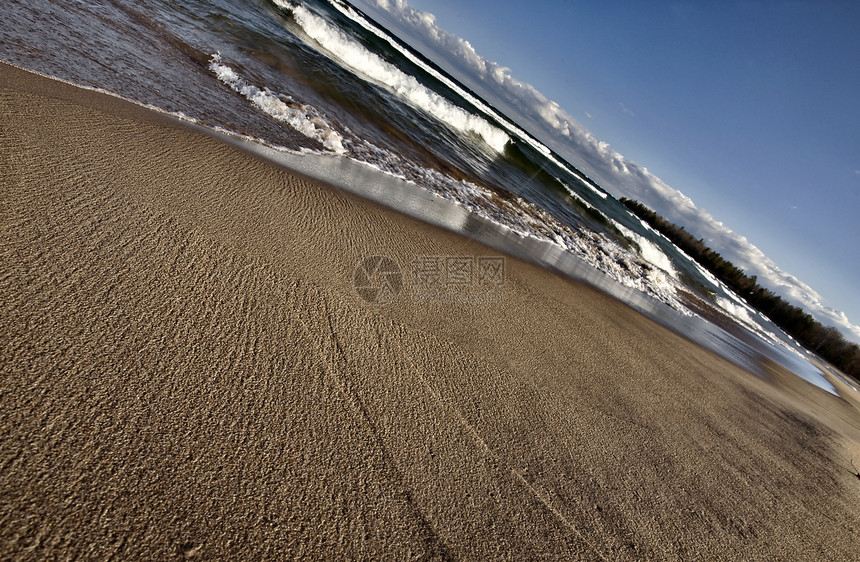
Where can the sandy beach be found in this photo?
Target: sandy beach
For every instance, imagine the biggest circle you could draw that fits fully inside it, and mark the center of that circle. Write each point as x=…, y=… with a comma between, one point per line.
x=187, y=370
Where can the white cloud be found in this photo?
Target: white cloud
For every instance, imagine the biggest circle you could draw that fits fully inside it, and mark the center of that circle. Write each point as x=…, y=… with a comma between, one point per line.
x=616, y=174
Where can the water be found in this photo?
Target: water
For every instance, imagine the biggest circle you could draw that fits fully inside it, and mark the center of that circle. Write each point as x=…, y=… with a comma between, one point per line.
x=322, y=88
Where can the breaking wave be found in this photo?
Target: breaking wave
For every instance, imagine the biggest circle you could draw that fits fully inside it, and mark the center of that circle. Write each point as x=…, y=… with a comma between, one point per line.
x=303, y=118
x=356, y=58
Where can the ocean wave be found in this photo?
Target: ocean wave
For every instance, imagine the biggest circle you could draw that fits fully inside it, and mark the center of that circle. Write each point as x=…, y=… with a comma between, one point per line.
x=351, y=13
x=303, y=118
x=356, y=58
x=649, y=251
x=506, y=123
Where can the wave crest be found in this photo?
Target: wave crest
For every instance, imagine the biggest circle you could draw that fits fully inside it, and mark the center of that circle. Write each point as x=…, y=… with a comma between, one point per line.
x=302, y=118
x=356, y=58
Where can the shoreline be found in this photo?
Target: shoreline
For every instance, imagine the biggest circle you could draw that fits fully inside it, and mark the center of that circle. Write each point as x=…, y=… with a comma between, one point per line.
x=406, y=198
x=189, y=369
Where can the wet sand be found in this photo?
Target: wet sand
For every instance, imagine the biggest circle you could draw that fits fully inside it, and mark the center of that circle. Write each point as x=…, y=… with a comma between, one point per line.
x=187, y=370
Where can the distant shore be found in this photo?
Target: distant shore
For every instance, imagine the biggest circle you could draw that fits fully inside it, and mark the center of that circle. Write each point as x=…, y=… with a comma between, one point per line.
x=207, y=355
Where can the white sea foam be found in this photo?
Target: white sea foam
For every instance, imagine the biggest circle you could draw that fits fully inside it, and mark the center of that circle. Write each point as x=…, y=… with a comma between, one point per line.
x=372, y=67
x=745, y=315
x=349, y=12
x=737, y=311
x=302, y=118
x=649, y=251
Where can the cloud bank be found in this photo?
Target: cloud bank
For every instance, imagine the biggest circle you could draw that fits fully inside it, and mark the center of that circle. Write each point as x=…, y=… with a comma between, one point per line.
x=621, y=177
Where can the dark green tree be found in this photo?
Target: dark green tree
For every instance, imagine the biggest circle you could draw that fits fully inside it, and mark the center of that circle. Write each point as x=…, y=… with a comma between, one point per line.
x=826, y=341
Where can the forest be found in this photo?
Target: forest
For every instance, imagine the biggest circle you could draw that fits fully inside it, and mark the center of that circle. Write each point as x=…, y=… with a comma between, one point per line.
x=826, y=341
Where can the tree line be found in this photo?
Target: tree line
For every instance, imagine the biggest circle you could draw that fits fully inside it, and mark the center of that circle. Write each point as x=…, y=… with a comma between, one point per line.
x=826, y=341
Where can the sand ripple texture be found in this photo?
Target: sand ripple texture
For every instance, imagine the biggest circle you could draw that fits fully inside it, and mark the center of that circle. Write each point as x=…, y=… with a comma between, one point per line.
x=187, y=372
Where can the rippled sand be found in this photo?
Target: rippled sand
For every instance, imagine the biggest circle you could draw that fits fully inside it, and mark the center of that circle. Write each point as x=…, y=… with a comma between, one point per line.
x=188, y=370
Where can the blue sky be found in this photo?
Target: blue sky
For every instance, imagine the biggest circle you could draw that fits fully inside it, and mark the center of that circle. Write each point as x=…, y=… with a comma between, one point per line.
x=748, y=108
